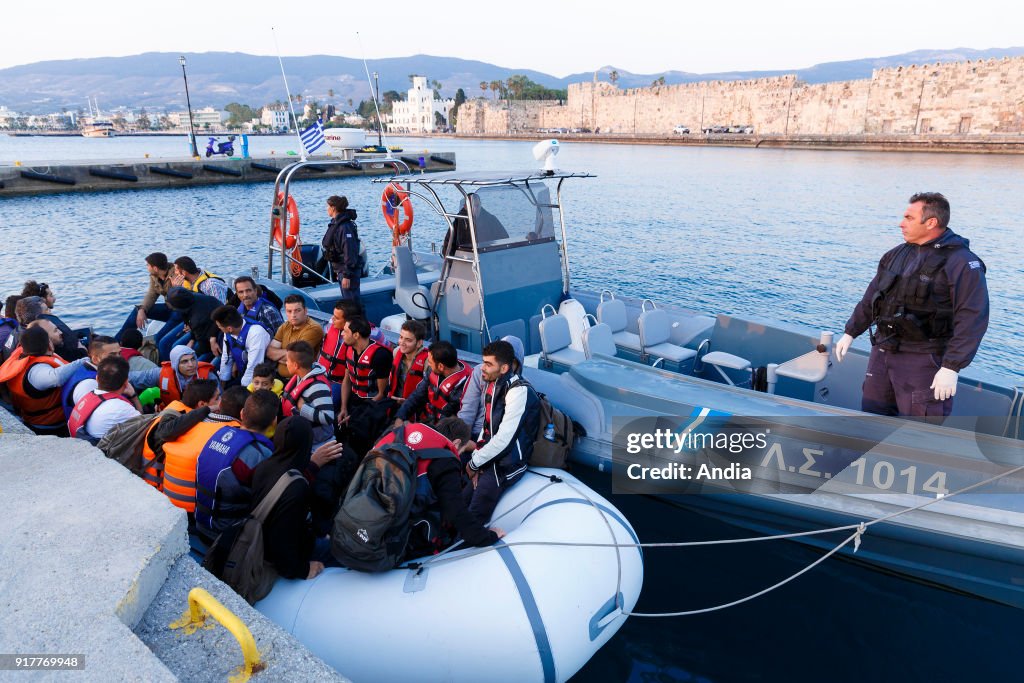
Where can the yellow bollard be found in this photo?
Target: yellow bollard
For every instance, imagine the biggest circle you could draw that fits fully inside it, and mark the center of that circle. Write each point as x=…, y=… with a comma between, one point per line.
x=201, y=603
x=17, y=163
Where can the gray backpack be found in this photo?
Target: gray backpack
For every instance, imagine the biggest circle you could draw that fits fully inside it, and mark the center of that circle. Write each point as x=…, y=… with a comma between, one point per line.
x=124, y=442
x=372, y=527
x=551, y=447
x=236, y=556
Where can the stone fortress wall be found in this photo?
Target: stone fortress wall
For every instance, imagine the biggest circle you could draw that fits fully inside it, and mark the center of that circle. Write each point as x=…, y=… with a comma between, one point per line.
x=959, y=98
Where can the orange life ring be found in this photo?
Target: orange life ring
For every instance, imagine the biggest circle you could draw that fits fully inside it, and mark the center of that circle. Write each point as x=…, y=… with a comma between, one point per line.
x=293, y=221
x=393, y=199
x=295, y=265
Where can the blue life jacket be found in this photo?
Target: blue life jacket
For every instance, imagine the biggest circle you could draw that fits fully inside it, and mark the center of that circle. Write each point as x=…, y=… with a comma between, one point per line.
x=67, y=392
x=222, y=500
x=251, y=315
x=236, y=347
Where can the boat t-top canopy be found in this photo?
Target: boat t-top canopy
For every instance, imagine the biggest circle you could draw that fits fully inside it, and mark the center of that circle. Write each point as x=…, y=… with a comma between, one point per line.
x=482, y=178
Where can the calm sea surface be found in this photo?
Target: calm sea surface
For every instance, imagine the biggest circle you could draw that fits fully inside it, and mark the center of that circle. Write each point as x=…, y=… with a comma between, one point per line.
x=789, y=235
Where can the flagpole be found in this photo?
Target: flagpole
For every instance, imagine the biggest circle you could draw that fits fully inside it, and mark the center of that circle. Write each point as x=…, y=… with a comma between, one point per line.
x=380, y=123
x=291, y=105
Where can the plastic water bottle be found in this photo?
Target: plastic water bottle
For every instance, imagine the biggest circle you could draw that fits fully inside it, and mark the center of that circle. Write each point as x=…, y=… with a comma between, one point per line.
x=549, y=431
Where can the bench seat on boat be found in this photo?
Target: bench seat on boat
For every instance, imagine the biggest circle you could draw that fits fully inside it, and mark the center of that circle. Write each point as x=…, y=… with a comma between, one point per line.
x=555, y=338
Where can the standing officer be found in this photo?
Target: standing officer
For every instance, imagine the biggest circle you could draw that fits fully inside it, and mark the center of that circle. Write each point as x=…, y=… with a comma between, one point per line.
x=928, y=303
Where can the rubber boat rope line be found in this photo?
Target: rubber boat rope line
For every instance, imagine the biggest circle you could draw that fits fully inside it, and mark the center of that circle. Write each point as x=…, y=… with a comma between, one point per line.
x=858, y=530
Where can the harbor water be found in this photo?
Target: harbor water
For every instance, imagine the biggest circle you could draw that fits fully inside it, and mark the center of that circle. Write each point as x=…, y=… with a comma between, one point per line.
x=782, y=234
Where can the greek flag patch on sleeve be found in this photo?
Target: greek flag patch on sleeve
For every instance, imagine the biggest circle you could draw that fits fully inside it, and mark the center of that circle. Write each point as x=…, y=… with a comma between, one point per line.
x=974, y=264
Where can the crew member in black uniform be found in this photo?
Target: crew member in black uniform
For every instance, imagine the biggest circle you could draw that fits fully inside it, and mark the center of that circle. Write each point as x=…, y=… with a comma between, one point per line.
x=341, y=245
x=928, y=305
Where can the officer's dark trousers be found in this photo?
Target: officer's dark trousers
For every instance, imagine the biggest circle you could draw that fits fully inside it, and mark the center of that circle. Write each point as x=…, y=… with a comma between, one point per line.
x=897, y=383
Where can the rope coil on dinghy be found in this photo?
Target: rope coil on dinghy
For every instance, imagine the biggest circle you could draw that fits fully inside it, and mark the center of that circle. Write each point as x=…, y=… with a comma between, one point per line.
x=858, y=532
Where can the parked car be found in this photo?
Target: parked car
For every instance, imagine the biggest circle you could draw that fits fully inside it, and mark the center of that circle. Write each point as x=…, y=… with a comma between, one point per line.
x=681, y=130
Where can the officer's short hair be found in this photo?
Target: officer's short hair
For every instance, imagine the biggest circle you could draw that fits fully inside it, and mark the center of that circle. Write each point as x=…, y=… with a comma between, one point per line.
x=935, y=206
x=111, y=373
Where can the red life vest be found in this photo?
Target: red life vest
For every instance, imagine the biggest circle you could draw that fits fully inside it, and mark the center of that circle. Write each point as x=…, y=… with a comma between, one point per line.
x=425, y=441
x=362, y=378
x=334, y=355
x=40, y=408
x=170, y=391
x=294, y=390
x=412, y=377
x=85, y=407
x=443, y=392
x=488, y=400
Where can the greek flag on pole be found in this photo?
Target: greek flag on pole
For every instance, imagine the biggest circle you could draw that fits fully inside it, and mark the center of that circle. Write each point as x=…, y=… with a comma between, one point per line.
x=313, y=137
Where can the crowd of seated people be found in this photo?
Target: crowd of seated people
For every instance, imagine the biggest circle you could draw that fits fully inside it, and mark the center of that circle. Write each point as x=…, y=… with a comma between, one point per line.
x=233, y=392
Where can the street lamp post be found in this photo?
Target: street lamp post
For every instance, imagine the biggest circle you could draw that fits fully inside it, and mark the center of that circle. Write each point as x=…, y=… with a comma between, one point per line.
x=188, y=102
x=376, y=108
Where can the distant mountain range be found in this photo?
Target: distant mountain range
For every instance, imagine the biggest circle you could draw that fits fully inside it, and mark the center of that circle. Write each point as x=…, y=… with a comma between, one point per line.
x=154, y=79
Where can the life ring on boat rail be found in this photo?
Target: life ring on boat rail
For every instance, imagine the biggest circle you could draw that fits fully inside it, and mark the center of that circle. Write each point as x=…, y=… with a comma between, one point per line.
x=292, y=212
x=393, y=199
x=295, y=262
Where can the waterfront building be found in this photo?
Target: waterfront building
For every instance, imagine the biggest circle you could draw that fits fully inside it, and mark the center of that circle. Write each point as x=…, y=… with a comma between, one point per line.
x=417, y=113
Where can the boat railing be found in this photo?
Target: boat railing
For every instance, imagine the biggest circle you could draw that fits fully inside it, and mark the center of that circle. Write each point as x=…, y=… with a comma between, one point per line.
x=280, y=208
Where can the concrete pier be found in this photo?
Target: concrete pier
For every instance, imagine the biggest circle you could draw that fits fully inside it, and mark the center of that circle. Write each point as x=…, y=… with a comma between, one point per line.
x=120, y=174
x=95, y=563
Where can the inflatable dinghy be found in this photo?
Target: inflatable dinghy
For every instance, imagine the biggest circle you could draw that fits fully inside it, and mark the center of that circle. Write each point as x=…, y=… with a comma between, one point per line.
x=509, y=612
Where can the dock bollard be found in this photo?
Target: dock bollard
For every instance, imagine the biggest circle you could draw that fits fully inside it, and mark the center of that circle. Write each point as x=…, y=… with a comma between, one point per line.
x=201, y=603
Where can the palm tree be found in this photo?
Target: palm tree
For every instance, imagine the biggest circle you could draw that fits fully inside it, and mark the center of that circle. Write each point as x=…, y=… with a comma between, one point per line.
x=483, y=87
x=497, y=87
x=613, y=76
x=660, y=80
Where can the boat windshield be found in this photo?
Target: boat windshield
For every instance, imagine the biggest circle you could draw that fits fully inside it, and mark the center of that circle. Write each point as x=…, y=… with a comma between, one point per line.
x=506, y=215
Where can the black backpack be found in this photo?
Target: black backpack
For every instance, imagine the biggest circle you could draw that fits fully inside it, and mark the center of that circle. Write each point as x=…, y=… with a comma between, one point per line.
x=552, y=449
x=372, y=527
x=236, y=556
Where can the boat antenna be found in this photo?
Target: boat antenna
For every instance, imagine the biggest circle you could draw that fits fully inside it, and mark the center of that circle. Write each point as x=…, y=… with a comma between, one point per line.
x=380, y=125
x=291, y=105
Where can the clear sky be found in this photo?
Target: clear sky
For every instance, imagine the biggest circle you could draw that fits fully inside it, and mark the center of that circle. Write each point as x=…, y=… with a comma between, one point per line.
x=558, y=37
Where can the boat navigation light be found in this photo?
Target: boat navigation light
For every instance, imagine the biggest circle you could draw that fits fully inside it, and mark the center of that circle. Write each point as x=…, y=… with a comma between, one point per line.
x=546, y=151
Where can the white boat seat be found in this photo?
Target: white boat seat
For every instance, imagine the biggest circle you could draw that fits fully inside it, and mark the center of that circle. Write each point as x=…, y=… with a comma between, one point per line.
x=721, y=359
x=598, y=339
x=655, y=331
x=410, y=295
x=613, y=313
x=576, y=316
x=555, y=339
x=810, y=367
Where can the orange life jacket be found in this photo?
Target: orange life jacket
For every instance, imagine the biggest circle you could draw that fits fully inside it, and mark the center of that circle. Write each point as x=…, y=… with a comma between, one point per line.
x=168, y=383
x=153, y=464
x=412, y=377
x=39, y=408
x=180, y=458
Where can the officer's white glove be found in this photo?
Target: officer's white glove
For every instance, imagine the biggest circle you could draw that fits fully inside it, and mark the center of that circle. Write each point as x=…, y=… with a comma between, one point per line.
x=842, y=346
x=944, y=384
